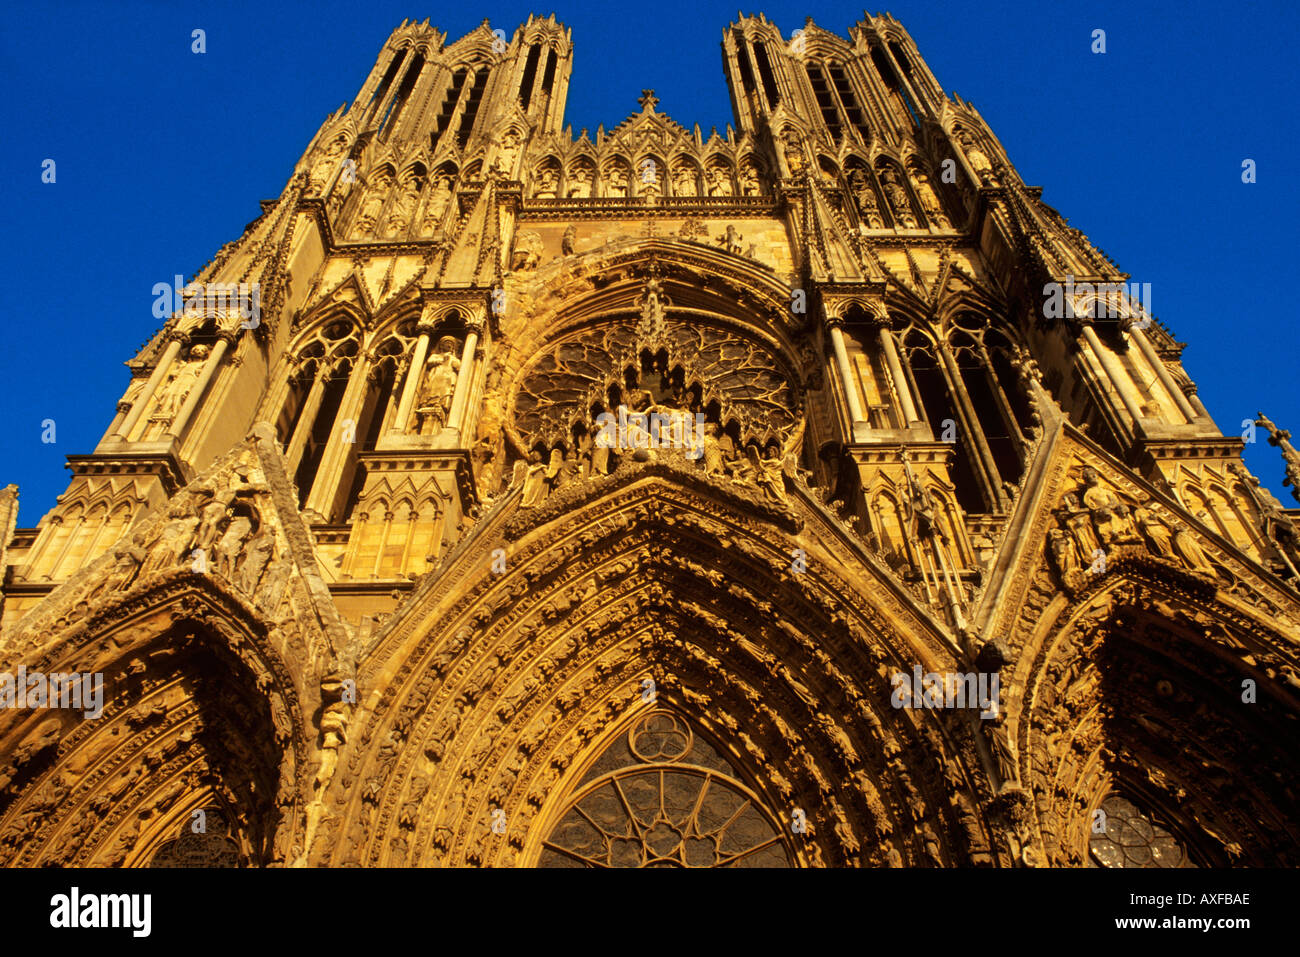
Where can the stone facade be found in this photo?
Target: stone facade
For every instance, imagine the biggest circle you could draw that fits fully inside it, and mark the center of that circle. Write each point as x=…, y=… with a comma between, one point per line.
x=584, y=501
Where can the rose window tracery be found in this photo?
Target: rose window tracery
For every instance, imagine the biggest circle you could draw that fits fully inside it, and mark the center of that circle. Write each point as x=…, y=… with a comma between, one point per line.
x=661, y=796
x=1125, y=837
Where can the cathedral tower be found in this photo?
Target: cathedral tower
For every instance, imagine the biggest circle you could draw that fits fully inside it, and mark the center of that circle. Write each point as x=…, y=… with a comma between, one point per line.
x=808, y=495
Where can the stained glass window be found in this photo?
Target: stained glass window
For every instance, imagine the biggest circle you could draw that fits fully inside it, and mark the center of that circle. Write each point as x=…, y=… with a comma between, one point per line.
x=1122, y=836
x=661, y=796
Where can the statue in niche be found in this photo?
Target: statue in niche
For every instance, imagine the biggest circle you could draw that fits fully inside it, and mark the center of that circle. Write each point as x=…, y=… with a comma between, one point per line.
x=321, y=170
x=684, y=181
x=749, y=181
x=580, y=183
x=924, y=511
x=433, y=403
x=403, y=207
x=439, y=199
x=793, y=150
x=719, y=182
x=373, y=202
x=865, y=196
x=616, y=182
x=978, y=161
x=176, y=389
x=898, y=201
x=534, y=481
x=548, y=183
x=929, y=200
x=506, y=154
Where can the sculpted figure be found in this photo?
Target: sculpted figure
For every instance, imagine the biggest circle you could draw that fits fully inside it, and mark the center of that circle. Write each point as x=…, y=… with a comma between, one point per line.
x=373, y=202
x=232, y=545
x=616, y=181
x=719, y=182
x=978, y=161
x=403, y=207
x=437, y=205
x=212, y=518
x=569, y=241
x=1110, y=516
x=180, y=379
x=1189, y=550
x=749, y=181
x=436, y=391
x=898, y=201
x=684, y=181
x=548, y=182
x=1061, y=550
x=865, y=196
x=929, y=200
x=534, y=481
x=260, y=551
x=580, y=183
x=1154, y=534
x=320, y=172
x=173, y=544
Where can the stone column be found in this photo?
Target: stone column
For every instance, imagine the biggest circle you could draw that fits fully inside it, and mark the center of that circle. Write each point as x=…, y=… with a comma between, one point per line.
x=412, y=384
x=463, y=380
x=846, y=376
x=1117, y=377
x=177, y=428
x=302, y=431
x=325, y=487
x=1162, y=372
x=151, y=386
x=900, y=381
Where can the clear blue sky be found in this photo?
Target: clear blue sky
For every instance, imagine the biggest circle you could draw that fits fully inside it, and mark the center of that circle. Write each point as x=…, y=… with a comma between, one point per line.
x=163, y=155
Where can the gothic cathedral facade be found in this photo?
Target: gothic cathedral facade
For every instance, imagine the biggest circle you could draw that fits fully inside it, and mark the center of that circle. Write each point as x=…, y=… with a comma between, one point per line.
x=503, y=497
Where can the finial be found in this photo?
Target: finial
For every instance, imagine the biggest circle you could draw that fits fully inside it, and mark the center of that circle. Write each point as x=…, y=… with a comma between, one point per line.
x=648, y=100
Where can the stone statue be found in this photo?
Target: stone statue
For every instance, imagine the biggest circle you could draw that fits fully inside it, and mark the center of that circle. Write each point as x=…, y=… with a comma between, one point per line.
x=534, y=481
x=580, y=183
x=373, y=202
x=719, y=182
x=730, y=240
x=548, y=183
x=898, y=201
x=569, y=241
x=929, y=200
x=865, y=197
x=616, y=181
x=173, y=393
x=749, y=185
x=434, y=402
x=1110, y=516
x=978, y=161
x=323, y=167
x=684, y=181
x=403, y=207
x=528, y=250
x=437, y=205
x=231, y=545
x=1187, y=548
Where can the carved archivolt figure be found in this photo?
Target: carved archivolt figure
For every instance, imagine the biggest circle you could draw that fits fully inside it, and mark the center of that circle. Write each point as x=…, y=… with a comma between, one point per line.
x=1189, y=550
x=434, y=401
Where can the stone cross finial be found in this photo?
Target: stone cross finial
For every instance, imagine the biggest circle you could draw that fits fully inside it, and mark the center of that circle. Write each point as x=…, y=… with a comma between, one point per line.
x=647, y=99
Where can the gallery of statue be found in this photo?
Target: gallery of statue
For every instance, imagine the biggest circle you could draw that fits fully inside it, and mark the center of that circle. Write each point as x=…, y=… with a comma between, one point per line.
x=578, y=501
